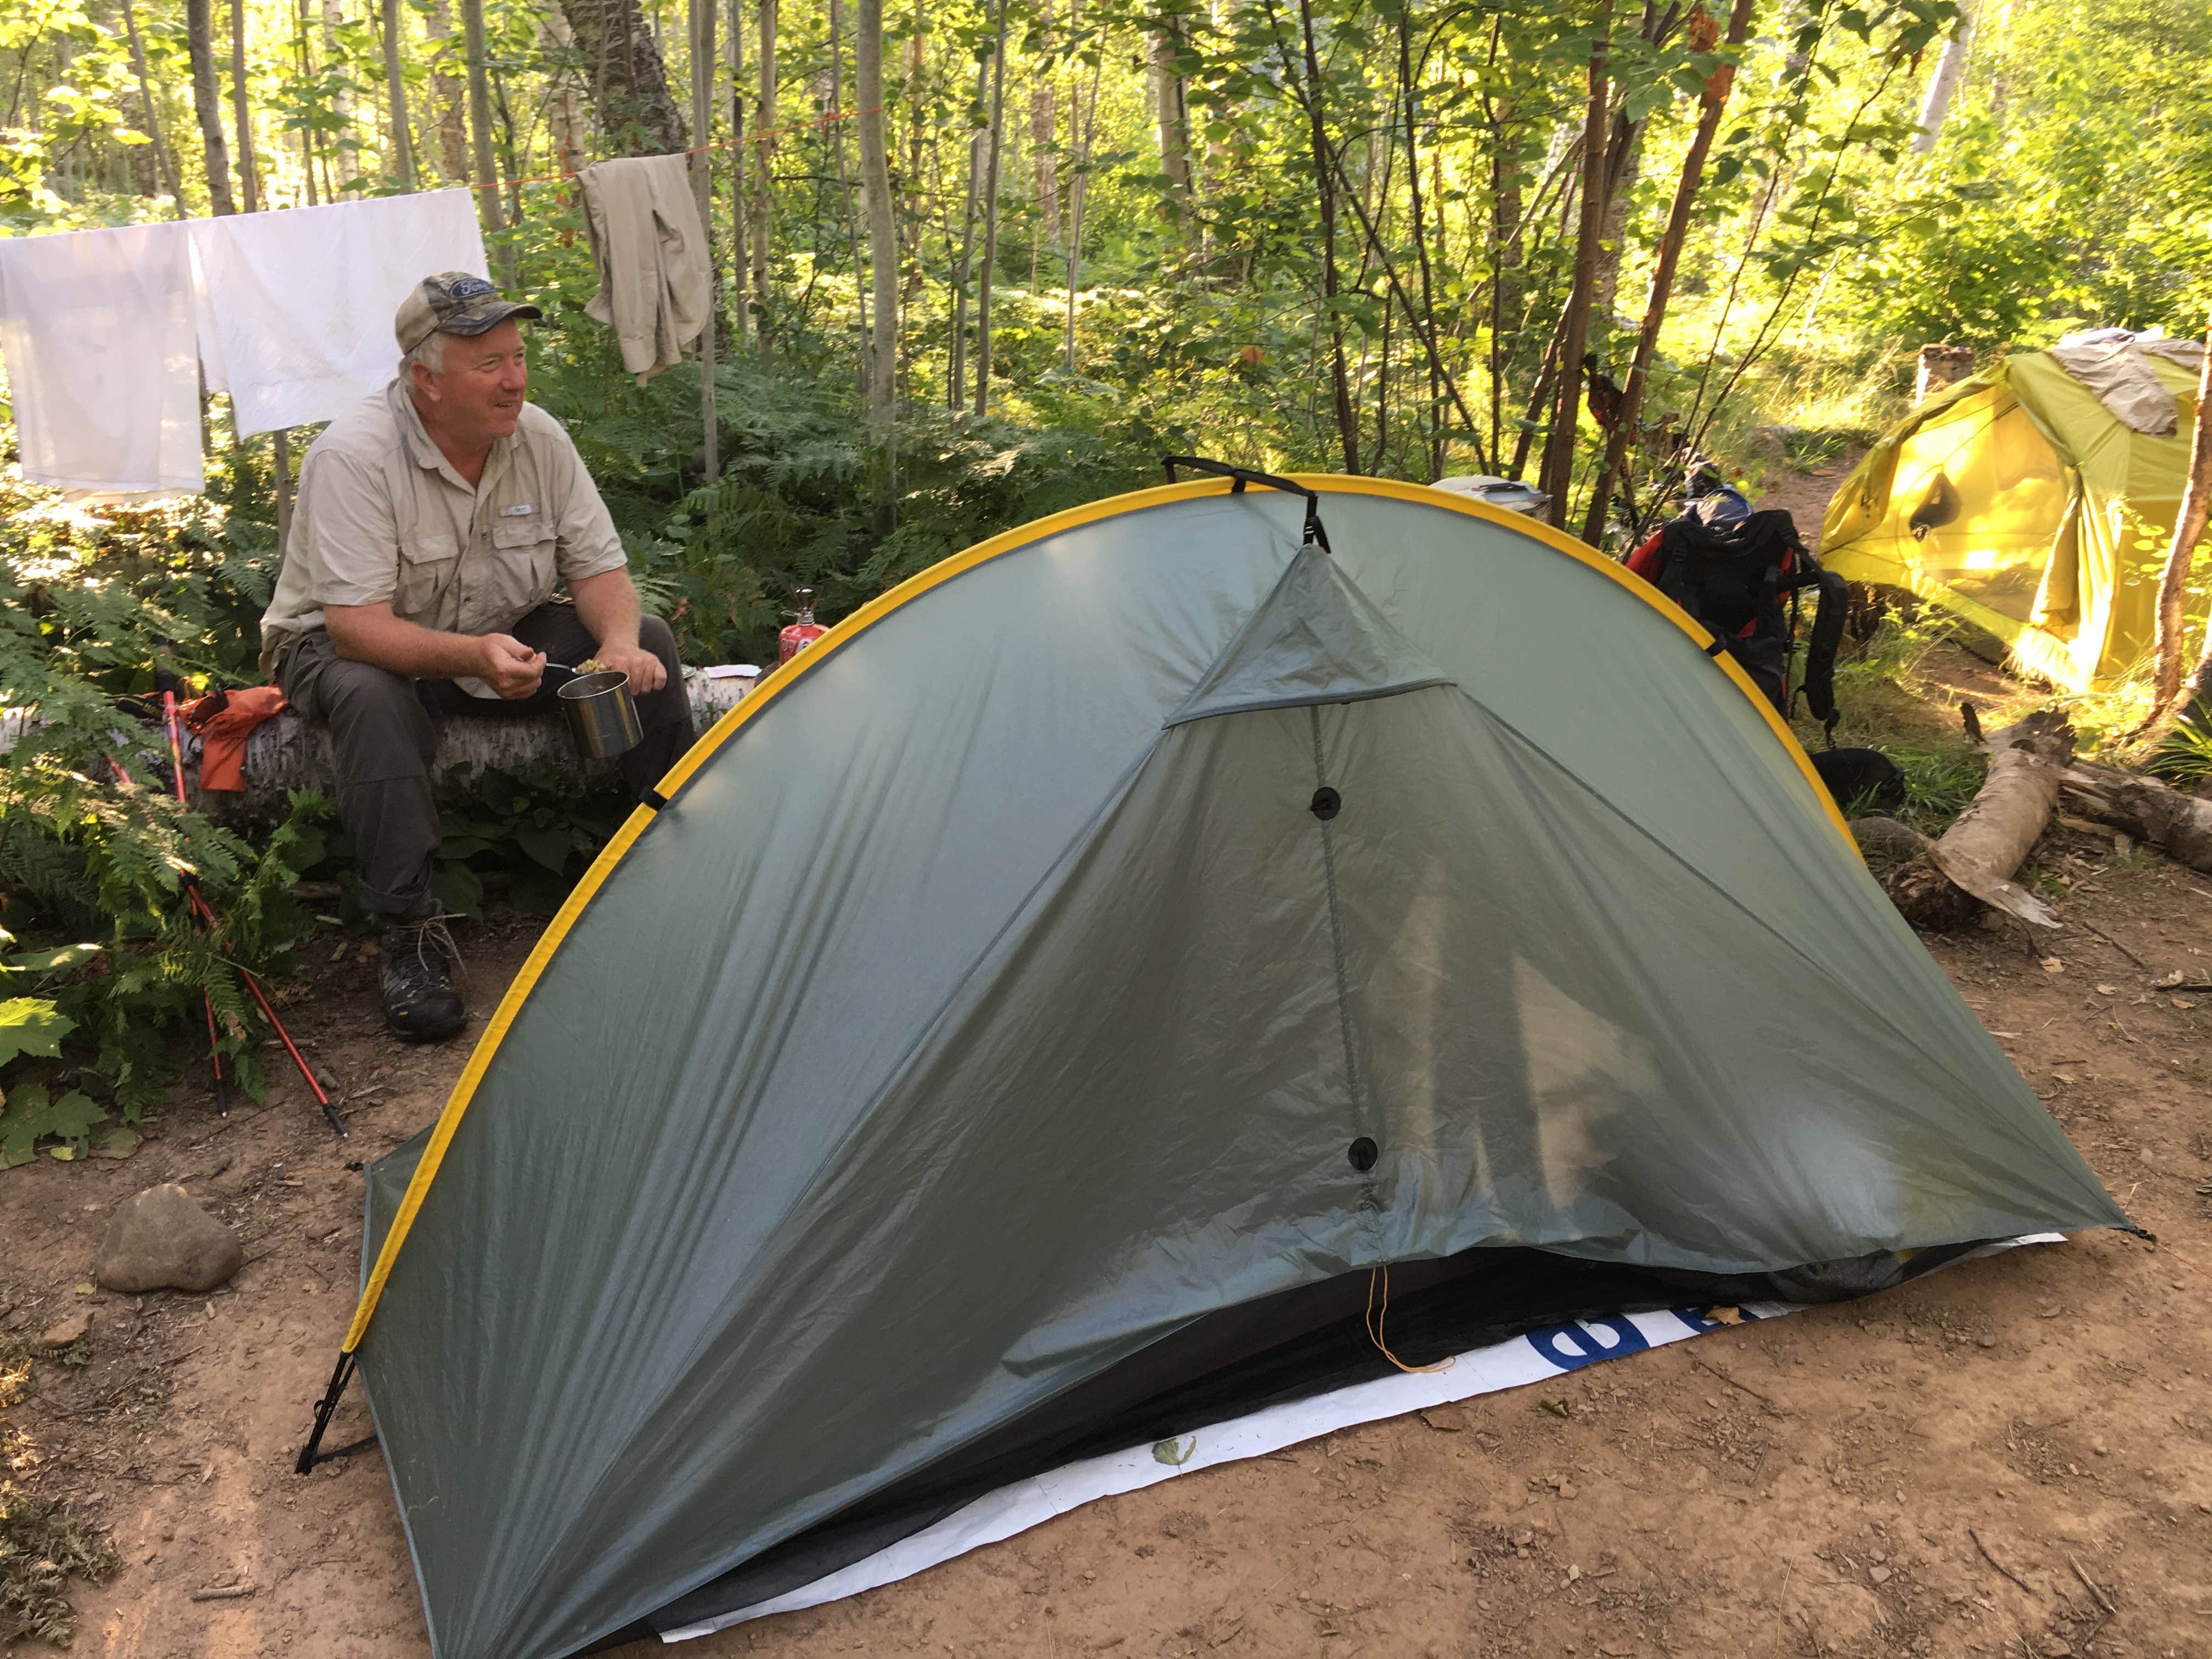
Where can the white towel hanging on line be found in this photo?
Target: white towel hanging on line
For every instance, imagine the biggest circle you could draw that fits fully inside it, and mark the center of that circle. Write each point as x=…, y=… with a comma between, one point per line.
x=295, y=306
x=105, y=332
x=98, y=332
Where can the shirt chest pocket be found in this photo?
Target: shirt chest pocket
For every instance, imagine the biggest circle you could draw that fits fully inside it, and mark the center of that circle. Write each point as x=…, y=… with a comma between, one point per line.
x=427, y=565
x=515, y=576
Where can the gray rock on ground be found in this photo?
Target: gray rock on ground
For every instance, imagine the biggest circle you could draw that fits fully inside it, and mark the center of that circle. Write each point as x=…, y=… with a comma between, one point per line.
x=163, y=1240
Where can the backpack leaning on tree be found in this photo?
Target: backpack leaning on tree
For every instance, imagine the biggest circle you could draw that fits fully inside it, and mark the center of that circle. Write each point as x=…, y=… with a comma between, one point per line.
x=1730, y=569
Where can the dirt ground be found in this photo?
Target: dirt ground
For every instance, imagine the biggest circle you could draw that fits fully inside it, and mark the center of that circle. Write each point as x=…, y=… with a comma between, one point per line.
x=2012, y=1457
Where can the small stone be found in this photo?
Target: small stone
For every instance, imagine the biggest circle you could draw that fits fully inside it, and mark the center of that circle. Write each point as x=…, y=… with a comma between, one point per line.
x=1880, y=1575
x=70, y=1328
x=1566, y=1491
x=1985, y=1342
x=1447, y=1420
x=163, y=1239
x=1877, y=1555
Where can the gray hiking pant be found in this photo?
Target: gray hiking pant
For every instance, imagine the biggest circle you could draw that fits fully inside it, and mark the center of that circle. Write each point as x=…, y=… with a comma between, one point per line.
x=384, y=735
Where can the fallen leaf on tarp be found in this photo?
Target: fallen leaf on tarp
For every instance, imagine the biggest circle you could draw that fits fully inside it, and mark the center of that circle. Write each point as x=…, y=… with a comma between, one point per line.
x=1174, y=1453
x=1725, y=1316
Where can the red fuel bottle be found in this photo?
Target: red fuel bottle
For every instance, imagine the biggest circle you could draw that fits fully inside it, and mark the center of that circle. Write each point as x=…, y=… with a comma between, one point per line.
x=803, y=631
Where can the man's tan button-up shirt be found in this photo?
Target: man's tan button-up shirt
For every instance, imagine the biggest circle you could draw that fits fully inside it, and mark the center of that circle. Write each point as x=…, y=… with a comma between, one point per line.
x=383, y=516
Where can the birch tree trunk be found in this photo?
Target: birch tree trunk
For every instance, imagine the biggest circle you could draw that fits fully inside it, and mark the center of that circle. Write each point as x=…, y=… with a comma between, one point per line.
x=1949, y=68
x=401, y=163
x=304, y=68
x=161, y=157
x=701, y=38
x=1171, y=118
x=739, y=265
x=1082, y=127
x=445, y=95
x=764, y=189
x=845, y=207
x=1556, y=472
x=242, y=109
x=956, y=368
x=877, y=202
x=1347, y=421
x=992, y=135
x=487, y=171
x=349, y=155
x=564, y=99
x=1044, y=168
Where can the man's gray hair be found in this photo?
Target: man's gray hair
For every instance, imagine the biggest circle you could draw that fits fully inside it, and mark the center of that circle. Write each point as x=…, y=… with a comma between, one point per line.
x=430, y=352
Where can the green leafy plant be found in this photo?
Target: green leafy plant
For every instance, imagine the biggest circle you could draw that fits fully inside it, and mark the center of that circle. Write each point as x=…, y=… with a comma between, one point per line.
x=102, y=962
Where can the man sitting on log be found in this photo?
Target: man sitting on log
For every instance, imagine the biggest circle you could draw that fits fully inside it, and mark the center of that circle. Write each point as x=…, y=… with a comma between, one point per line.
x=433, y=525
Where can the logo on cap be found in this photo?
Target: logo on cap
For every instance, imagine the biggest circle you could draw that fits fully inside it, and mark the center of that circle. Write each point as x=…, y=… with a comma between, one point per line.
x=470, y=288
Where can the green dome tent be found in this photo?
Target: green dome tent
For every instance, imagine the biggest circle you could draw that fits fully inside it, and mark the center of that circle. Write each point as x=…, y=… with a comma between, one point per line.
x=1035, y=1020
x=2019, y=500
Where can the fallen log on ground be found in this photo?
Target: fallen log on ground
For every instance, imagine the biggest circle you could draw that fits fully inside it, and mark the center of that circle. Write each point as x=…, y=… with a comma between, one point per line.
x=2178, y=825
x=1971, y=864
x=288, y=752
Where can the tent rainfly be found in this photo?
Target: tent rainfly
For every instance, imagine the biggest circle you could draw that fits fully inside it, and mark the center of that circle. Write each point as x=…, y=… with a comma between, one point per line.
x=2018, y=500
x=1040, y=1020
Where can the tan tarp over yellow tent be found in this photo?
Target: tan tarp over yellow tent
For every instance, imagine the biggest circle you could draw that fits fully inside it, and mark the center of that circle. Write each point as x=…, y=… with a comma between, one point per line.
x=2016, y=499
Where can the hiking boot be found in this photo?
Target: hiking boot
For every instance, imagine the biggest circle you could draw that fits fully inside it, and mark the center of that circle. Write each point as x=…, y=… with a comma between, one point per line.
x=421, y=1001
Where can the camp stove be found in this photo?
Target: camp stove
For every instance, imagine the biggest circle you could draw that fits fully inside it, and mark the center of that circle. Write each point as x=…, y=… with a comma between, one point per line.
x=803, y=631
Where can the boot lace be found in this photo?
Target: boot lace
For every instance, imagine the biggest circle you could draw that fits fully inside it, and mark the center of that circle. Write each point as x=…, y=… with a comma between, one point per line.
x=422, y=953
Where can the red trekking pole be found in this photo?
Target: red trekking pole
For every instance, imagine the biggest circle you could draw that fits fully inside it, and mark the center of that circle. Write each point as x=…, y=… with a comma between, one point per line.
x=204, y=916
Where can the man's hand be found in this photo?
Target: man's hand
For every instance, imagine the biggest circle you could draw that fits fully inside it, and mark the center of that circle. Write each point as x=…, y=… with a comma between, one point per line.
x=509, y=666
x=644, y=668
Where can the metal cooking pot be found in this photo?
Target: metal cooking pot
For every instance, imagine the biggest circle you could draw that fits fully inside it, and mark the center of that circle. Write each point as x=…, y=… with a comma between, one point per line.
x=601, y=714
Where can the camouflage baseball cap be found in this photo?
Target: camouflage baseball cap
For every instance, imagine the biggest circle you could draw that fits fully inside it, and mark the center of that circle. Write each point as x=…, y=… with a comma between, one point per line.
x=453, y=303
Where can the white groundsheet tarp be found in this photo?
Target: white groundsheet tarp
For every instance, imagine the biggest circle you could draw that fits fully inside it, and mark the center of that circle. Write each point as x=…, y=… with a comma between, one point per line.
x=1537, y=1356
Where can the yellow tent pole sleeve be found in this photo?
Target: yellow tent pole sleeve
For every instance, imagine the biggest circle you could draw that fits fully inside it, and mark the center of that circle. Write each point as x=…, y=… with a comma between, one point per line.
x=433, y=1154
x=518, y=991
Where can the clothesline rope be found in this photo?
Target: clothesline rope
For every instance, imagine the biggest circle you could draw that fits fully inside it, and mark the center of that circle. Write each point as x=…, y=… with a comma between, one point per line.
x=818, y=122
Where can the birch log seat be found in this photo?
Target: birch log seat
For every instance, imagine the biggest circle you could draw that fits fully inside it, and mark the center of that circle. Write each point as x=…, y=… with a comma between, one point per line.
x=289, y=753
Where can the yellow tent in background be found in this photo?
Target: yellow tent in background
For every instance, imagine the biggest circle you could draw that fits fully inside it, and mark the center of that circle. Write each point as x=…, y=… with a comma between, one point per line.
x=2017, y=500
